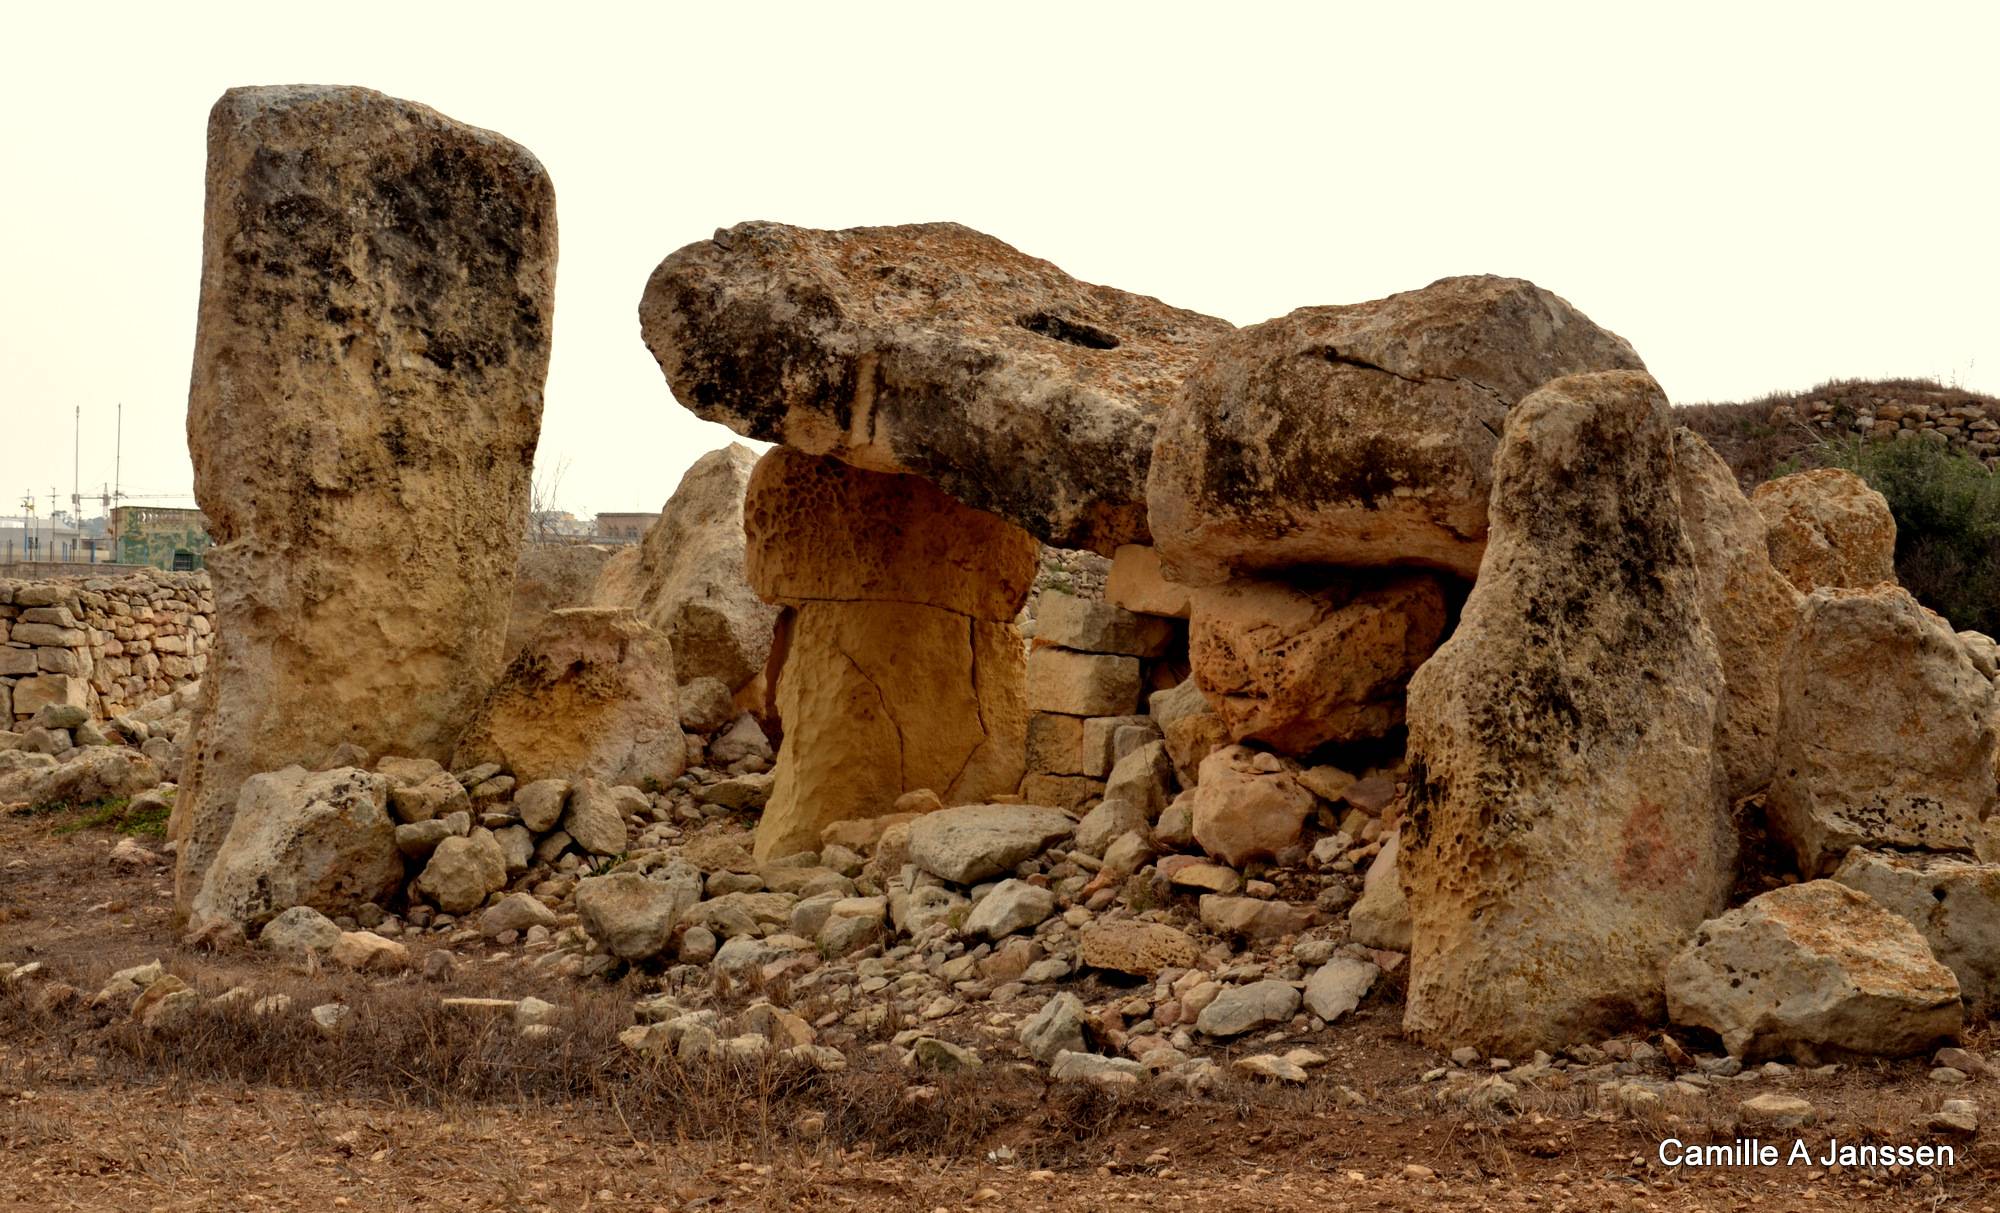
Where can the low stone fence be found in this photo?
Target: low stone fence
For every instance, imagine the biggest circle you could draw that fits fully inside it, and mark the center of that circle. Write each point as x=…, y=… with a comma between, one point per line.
x=106, y=644
x=1942, y=415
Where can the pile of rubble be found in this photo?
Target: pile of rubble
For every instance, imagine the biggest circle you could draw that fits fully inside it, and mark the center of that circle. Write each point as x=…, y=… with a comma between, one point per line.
x=1429, y=645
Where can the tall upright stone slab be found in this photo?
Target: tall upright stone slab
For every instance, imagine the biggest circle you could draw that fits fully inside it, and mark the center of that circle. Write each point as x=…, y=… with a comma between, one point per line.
x=1567, y=828
x=376, y=301
x=902, y=667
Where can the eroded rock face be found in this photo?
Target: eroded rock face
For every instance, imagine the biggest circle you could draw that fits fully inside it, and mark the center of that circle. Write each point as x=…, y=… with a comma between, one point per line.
x=1750, y=607
x=687, y=579
x=902, y=667
x=1299, y=666
x=1828, y=528
x=1885, y=731
x=1359, y=435
x=880, y=699
x=591, y=695
x=820, y=530
x=1566, y=828
x=377, y=286
x=1810, y=971
x=932, y=349
x=303, y=838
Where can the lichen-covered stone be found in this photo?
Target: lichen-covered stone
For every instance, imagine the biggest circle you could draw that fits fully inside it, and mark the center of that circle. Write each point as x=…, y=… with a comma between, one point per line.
x=373, y=331
x=932, y=349
x=1566, y=828
x=1358, y=435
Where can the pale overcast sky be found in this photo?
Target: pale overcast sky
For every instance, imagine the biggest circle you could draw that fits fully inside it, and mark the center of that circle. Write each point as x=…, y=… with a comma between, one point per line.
x=1758, y=196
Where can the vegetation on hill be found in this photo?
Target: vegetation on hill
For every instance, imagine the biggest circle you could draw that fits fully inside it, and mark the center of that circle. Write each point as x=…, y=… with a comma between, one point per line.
x=1946, y=502
x=1947, y=509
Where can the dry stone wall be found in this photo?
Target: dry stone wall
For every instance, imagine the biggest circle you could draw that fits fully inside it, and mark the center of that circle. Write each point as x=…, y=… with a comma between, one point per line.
x=1890, y=412
x=106, y=645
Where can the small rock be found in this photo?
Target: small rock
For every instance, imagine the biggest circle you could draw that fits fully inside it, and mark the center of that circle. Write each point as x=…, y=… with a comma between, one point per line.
x=1241, y=1009
x=333, y=1019
x=1775, y=1111
x=1277, y=1069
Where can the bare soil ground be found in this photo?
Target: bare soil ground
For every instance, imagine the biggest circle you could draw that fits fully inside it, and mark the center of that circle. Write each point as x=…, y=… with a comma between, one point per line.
x=419, y=1108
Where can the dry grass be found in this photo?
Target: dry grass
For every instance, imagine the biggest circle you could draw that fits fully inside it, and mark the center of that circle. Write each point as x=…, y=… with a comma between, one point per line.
x=406, y=1048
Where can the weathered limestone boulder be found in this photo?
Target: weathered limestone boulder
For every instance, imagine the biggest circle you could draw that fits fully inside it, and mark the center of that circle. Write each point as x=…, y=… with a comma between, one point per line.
x=687, y=577
x=377, y=286
x=902, y=667
x=634, y=916
x=969, y=843
x=1813, y=971
x=1297, y=666
x=1750, y=607
x=1358, y=435
x=1380, y=917
x=1338, y=986
x=1954, y=901
x=1082, y=684
x=461, y=872
x=590, y=695
x=1566, y=827
x=322, y=839
x=80, y=777
x=549, y=577
x=301, y=935
x=932, y=349
x=1885, y=731
x=880, y=699
x=1192, y=730
x=1241, y=1009
x=1141, y=949
x=595, y=818
x=1248, y=805
x=1091, y=626
x=1011, y=906
x=1828, y=528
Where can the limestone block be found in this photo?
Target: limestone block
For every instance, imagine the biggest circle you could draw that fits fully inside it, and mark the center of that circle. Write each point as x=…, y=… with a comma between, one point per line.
x=373, y=332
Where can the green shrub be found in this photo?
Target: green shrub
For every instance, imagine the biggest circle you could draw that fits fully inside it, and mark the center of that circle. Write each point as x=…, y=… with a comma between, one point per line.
x=1947, y=509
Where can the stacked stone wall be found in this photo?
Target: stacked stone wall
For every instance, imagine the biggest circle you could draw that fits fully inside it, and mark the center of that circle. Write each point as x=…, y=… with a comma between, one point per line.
x=105, y=644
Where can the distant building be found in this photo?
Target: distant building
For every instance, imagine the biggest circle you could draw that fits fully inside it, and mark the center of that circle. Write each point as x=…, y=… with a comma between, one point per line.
x=28, y=538
x=624, y=528
x=171, y=539
x=558, y=526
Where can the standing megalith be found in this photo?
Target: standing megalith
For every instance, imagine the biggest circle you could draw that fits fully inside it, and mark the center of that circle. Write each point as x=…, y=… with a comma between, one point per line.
x=1566, y=828
x=376, y=299
x=686, y=576
x=1750, y=607
x=903, y=668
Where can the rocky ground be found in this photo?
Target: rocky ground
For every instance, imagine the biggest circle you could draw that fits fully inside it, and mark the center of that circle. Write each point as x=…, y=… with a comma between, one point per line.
x=419, y=1100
